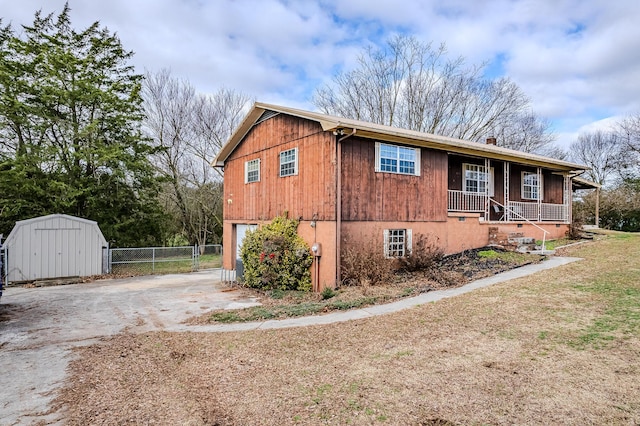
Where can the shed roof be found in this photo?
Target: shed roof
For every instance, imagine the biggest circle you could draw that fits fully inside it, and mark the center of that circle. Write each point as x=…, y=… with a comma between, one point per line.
x=392, y=134
x=19, y=224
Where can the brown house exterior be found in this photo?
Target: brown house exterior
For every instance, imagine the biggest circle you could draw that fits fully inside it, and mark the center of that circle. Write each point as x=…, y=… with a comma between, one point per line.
x=351, y=183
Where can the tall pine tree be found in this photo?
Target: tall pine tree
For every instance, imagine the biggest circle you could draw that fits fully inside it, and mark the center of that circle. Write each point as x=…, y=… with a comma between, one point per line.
x=70, y=131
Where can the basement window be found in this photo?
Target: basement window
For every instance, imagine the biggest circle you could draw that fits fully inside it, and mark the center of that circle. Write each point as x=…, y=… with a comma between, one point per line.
x=397, y=242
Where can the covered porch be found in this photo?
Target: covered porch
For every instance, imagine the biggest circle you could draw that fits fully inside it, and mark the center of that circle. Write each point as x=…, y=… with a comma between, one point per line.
x=502, y=191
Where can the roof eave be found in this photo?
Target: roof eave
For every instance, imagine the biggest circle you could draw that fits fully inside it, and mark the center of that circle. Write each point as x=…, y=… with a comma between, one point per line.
x=386, y=133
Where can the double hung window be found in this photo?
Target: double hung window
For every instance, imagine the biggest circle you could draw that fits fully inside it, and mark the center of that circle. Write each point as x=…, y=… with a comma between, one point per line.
x=252, y=171
x=289, y=162
x=476, y=179
x=531, y=188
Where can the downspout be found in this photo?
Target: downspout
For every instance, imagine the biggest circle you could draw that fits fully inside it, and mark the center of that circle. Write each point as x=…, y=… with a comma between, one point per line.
x=340, y=136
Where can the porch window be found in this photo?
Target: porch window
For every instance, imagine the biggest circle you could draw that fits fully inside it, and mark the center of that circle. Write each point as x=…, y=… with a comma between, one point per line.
x=476, y=179
x=289, y=162
x=531, y=186
x=252, y=171
x=397, y=242
x=397, y=159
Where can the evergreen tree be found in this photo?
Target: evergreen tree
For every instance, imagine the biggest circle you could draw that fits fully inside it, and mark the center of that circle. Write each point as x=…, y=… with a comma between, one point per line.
x=70, y=131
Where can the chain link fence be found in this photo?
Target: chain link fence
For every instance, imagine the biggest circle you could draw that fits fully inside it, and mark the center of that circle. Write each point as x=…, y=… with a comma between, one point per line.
x=163, y=260
x=210, y=256
x=3, y=266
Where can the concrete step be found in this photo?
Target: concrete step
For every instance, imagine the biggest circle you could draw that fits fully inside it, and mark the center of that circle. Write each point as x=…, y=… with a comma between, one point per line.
x=522, y=240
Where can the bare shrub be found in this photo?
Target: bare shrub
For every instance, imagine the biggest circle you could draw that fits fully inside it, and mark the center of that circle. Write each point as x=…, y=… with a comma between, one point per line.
x=425, y=254
x=364, y=266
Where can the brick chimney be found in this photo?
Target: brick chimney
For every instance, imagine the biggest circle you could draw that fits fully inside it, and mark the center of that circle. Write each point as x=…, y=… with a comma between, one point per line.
x=491, y=141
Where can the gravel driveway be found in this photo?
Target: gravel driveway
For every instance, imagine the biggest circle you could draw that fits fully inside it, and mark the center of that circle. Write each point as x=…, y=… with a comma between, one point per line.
x=39, y=327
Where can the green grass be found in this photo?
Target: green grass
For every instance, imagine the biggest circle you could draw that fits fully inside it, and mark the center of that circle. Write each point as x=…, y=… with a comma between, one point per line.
x=167, y=266
x=505, y=256
x=553, y=244
x=620, y=318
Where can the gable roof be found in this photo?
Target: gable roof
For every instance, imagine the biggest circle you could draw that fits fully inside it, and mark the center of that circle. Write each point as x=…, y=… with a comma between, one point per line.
x=23, y=223
x=392, y=134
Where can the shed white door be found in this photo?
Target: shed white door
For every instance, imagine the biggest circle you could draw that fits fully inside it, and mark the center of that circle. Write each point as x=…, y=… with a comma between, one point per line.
x=241, y=231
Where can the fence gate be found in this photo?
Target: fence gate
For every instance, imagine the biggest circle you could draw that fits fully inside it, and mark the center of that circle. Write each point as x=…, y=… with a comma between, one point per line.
x=152, y=260
x=158, y=260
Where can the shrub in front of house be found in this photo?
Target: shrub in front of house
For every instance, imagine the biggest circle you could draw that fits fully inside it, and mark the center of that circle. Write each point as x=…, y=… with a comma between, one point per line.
x=275, y=257
x=426, y=253
x=365, y=265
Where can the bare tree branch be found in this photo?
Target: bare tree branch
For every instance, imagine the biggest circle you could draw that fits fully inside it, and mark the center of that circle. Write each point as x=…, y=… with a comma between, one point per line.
x=412, y=85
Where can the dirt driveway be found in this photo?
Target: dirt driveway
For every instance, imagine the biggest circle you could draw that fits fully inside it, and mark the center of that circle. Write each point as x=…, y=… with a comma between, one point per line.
x=39, y=327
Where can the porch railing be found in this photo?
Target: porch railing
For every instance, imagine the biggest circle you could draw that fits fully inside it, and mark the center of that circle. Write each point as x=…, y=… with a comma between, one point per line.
x=460, y=201
x=555, y=212
x=548, y=211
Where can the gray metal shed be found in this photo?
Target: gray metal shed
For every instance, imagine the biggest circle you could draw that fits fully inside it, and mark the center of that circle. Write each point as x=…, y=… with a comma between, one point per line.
x=54, y=246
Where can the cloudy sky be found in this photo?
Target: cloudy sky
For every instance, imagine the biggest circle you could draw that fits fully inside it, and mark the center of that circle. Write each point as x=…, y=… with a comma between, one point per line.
x=577, y=60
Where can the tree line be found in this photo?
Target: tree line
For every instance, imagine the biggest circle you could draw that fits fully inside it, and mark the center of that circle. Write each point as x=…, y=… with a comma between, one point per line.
x=613, y=156
x=82, y=133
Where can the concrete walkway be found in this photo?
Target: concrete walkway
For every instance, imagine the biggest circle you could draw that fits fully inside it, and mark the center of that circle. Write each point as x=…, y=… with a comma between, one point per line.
x=376, y=310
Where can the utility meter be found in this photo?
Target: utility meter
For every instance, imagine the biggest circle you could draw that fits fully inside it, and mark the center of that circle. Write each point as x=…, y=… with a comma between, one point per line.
x=316, y=248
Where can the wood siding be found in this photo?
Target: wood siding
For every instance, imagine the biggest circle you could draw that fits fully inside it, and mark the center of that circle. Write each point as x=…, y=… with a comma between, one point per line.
x=552, y=185
x=368, y=195
x=309, y=195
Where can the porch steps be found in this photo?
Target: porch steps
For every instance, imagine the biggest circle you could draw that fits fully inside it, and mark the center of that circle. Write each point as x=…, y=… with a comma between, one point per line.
x=515, y=241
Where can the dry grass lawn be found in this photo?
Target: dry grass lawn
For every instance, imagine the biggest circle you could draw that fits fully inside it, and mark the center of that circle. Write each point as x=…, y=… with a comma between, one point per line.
x=558, y=347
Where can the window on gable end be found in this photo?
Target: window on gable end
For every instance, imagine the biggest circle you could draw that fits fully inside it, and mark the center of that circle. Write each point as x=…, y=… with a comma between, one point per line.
x=289, y=162
x=252, y=171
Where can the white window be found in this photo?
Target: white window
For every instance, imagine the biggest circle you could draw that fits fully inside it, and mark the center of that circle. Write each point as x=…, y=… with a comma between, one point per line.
x=397, y=159
x=289, y=162
x=476, y=179
x=531, y=188
x=252, y=171
x=397, y=242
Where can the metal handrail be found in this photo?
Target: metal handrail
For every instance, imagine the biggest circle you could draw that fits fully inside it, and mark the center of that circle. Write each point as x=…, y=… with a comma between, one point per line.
x=545, y=232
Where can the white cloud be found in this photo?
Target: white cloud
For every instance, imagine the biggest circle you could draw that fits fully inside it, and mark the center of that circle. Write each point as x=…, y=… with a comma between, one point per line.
x=577, y=60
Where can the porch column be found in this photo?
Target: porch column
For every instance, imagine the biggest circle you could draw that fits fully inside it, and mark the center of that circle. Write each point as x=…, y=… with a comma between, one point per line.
x=507, y=209
x=487, y=203
x=540, y=194
x=566, y=198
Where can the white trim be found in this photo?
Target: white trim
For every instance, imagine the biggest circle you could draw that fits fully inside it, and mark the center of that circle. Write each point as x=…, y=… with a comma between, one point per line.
x=539, y=185
x=489, y=183
x=385, y=243
x=246, y=170
x=295, y=162
x=492, y=182
x=416, y=165
x=407, y=241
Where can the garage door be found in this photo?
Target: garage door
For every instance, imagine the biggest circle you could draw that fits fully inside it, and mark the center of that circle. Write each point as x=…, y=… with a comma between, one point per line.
x=241, y=232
